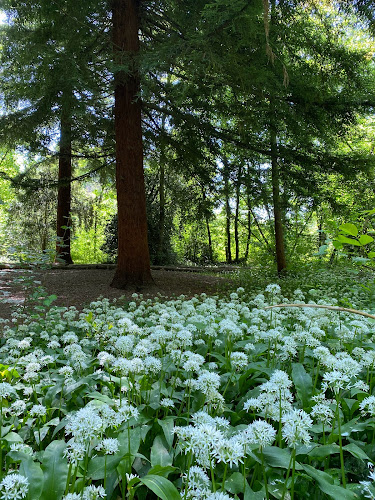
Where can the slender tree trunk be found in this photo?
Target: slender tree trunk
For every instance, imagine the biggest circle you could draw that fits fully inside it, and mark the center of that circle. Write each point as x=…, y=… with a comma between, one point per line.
x=207, y=219
x=237, y=212
x=248, y=201
x=133, y=265
x=228, y=214
x=63, y=223
x=279, y=230
x=160, y=250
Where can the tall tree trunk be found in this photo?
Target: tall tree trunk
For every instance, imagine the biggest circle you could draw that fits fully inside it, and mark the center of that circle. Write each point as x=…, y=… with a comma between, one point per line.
x=228, y=249
x=248, y=201
x=160, y=250
x=237, y=212
x=207, y=219
x=133, y=265
x=63, y=221
x=279, y=230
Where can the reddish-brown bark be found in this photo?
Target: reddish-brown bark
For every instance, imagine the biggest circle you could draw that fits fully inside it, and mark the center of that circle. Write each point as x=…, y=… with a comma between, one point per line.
x=133, y=265
x=63, y=221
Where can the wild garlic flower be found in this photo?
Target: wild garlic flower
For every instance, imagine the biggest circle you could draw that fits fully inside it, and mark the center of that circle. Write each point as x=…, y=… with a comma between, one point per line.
x=322, y=412
x=295, y=428
x=273, y=288
x=167, y=403
x=93, y=492
x=238, y=360
x=14, y=486
x=75, y=451
x=192, y=362
x=229, y=451
x=85, y=424
x=110, y=446
x=66, y=371
x=197, y=478
x=336, y=380
x=38, y=411
x=6, y=390
x=218, y=496
x=368, y=406
x=260, y=433
x=18, y=407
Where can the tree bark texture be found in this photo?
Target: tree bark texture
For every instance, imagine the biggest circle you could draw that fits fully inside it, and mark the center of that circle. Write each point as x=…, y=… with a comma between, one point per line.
x=279, y=229
x=227, y=212
x=237, y=213
x=133, y=265
x=207, y=219
x=63, y=220
x=160, y=251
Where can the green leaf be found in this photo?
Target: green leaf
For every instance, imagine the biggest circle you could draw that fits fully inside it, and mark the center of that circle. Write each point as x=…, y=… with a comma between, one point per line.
x=32, y=471
x=13, y=437
x=55, y=469
x=161, y=486
x=349, y=228
x=158, y=470
x=254, y=495
x=278, y=457
x=167, y=425
x=324, y=450
x=337, y=244
x=356, y=451
x=159, y=453
x=348, y=241
x=325, y=482
x=303, y=383
x=371, y=255
x=365, y=239
x=235, y=483
x=97, y=467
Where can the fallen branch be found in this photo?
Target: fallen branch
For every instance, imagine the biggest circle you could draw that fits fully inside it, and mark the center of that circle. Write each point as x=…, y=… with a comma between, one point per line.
x=331, y=308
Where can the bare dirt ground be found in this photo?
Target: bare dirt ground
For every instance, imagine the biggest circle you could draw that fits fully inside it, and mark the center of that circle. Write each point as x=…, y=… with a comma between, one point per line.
x=79, y=287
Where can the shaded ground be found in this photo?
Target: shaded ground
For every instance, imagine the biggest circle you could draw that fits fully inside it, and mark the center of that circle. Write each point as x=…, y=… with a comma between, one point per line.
x=79, y=287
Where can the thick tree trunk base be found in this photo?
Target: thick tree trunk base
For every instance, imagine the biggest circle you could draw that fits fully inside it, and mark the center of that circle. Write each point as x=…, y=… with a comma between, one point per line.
x=138, y=282
x=64, y=260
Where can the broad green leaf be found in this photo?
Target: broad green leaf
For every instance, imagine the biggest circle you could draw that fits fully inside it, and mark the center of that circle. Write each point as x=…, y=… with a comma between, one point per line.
x=278, y=457
x=325, y=482
x=254, y=495
x=158, y=470
x=371, y=255
x=235, y=483
x=55, y=470
x=135, y=441
x=97, y=468
x=13, y=437
x=32, y=471
x=159, y=453
x=161, y=486
x=337, y=244
x=303, y=383
x=356, y=451
x=349, y=228
x=324, y=450
x=365, y=239
x=167, y=425
x=100, y=397
x=348, y=241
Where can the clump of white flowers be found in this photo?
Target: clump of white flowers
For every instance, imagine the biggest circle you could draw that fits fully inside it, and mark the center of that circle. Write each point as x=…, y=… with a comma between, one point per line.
x=14, y=486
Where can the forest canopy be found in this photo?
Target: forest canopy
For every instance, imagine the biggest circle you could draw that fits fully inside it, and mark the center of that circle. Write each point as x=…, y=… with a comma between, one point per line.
x=243, y=129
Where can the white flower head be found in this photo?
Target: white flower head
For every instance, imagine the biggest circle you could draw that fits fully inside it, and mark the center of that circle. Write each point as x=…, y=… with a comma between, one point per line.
x=14, y=486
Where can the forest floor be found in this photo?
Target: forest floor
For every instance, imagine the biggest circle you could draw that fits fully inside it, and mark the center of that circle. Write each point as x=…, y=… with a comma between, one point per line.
x=79, y=287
